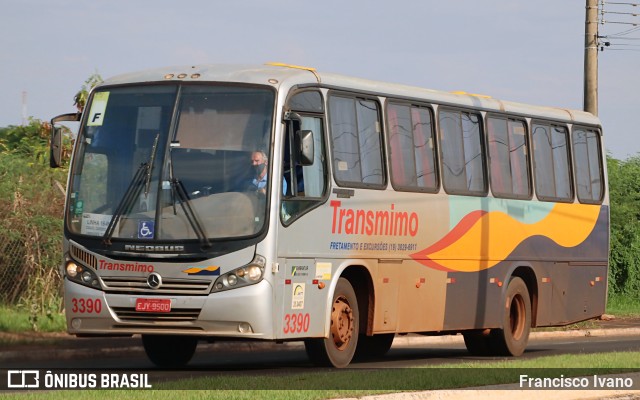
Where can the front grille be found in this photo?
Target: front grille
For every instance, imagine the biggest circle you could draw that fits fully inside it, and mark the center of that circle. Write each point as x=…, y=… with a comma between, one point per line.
x=129, y=314
x=127, y=284
x=83, y=256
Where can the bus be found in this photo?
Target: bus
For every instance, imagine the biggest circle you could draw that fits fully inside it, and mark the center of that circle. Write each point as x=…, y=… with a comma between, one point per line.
x=280, y=203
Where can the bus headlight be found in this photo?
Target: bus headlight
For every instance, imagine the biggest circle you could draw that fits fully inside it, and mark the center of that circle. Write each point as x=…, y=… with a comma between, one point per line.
x=254, y=273
x=81, y=274
x=73, y=269
x=247, y=275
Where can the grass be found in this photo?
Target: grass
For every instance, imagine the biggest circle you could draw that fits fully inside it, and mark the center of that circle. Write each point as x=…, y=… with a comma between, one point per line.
x=16, y=319
x=356, y=383
x=623, y=306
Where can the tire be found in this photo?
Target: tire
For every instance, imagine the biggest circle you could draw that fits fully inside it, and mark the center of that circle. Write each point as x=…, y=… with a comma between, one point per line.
x=512, y=339
x=372, y=347
x=169, y=351
x=338, y=349
x=478, y=342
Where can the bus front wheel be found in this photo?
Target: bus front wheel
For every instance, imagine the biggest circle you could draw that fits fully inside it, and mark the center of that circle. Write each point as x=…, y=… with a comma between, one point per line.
x=338, y=349
x=512, y=339
x=169, y=350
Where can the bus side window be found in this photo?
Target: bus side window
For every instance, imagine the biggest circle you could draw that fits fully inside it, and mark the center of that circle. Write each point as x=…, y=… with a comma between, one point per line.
x=462, y=154
x=356, y=140
x=551, y=162
x=508, y=161
x=588, y=166
x=411, y=148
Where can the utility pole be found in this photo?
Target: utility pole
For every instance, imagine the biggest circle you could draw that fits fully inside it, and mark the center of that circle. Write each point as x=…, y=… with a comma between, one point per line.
x=591, y=58
x=24, y=108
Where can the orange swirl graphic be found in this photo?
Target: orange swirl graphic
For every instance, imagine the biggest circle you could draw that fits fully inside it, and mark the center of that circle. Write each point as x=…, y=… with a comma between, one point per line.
x=482, y=239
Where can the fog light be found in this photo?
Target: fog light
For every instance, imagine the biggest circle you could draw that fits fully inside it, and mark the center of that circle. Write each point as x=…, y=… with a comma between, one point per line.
x=75, y=323
x=244, y=327
x=86, y=276
x=73, y=269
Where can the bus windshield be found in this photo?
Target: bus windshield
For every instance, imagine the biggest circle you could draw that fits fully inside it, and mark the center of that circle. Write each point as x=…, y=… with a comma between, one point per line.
x=170, y=162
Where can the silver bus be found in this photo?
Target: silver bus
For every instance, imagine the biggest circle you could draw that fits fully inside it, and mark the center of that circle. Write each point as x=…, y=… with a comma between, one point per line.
x=277, y=202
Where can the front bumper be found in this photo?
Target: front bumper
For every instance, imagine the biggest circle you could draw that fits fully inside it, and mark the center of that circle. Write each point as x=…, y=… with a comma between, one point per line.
x=246, y=312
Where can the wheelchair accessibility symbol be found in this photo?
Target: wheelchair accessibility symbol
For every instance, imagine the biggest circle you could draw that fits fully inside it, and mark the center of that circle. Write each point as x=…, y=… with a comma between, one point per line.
x=146, y=229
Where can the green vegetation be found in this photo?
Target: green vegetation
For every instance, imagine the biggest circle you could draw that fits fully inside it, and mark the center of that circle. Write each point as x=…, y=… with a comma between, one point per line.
x=622, y=306
x=624, y=193
x=19, y=318
x=356, y=383
x=31, y=202
x=81, y=97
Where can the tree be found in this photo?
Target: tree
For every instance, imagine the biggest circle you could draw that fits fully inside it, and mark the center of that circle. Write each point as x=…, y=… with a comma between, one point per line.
x=624, y=197
x=30, y=141
x=80, y=99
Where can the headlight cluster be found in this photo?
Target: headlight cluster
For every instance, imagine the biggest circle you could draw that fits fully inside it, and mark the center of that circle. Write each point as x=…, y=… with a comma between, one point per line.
x=82, y=275
x=248, y=275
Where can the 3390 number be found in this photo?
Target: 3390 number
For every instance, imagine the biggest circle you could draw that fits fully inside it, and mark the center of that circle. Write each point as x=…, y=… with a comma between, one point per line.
x=86, y=306
x=296, y=323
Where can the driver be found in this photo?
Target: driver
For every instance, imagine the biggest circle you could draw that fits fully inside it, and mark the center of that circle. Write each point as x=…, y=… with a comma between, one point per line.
x=259, y=162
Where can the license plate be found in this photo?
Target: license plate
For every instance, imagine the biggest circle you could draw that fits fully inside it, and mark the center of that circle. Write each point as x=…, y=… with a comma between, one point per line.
x=153, y=305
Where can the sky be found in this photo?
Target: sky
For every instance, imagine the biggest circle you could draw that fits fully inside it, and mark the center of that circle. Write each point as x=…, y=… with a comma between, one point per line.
x=517, y=50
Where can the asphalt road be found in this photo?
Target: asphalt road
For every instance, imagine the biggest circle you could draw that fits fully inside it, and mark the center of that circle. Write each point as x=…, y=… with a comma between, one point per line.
x=280, y=362
x=251, y=357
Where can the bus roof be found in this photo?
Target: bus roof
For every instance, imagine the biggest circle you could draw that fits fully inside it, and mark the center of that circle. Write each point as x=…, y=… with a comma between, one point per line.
x=276, y=74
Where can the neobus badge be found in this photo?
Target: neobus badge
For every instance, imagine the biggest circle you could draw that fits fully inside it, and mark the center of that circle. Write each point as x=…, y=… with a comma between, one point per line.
x=151, y=249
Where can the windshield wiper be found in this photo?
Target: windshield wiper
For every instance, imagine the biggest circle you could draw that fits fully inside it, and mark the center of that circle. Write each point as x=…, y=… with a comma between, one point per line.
x=151, y=160
x=142, y=176
x=133, y=191
x=192, y=217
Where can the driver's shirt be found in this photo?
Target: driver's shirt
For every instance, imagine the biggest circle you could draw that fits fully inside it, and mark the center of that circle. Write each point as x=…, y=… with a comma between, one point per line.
x=262, y=183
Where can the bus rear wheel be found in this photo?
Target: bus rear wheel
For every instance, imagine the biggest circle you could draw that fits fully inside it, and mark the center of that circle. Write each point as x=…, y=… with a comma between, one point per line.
x=338, y=349
x=169, y=350
x=512, y=339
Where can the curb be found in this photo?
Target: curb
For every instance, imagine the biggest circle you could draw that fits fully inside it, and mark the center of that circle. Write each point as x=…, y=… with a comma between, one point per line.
x=414, y=340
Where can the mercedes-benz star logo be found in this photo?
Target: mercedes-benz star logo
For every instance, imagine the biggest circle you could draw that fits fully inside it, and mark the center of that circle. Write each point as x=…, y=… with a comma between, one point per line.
x=154, y=280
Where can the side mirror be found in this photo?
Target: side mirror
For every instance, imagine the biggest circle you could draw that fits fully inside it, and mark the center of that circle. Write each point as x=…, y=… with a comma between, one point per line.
x=55, y=150
x=304, y=146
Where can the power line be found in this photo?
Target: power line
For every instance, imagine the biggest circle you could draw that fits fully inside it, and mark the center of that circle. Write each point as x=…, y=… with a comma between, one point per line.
x=632, y=50
x=603, y=22
x=624, y=44
x=619, y=13
x=614, y=9
x=628, y=31
x=619, y=3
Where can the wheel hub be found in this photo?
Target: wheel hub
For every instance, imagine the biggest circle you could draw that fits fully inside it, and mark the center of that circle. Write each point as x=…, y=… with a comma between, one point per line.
x=341, y=322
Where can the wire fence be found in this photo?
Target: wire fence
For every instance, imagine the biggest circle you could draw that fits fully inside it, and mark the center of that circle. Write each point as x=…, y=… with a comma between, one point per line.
x=30, y=253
